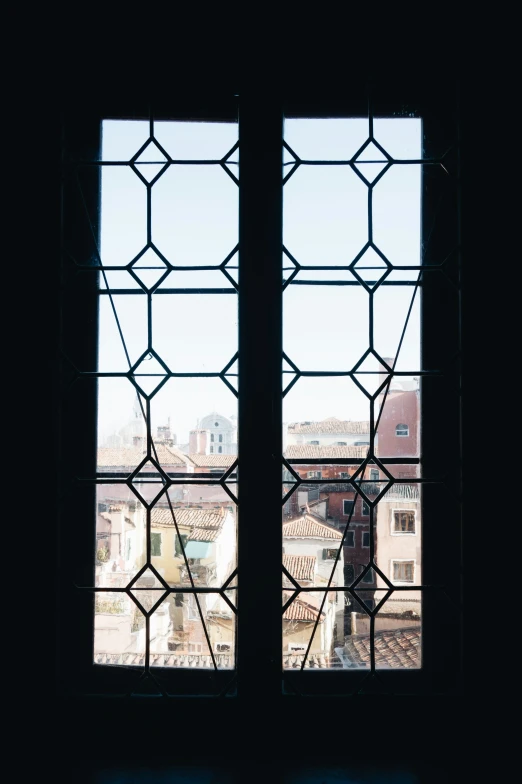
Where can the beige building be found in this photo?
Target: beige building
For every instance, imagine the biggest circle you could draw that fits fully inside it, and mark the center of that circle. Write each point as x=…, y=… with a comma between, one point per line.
x=399, y=549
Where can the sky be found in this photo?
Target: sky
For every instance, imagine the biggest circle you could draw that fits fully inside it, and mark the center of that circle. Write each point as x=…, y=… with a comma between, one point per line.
x=195, y=223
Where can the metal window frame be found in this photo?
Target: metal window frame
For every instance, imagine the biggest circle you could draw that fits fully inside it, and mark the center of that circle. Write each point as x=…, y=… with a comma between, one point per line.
x=260, y=219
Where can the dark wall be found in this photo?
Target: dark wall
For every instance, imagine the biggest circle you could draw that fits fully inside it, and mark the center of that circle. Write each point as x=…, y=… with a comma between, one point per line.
x=428, y=739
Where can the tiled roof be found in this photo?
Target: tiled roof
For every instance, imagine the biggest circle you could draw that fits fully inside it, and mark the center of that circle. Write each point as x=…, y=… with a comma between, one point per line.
x=314, y=660
x=196, y=660
x=132, y=456
x=309, y=450
x=125, y=456
x=301, y=609
x=204, y=534
x=301, y=567
x=193, y=518
x=330, y=425
x=213, y=461
x=310, y=527
x=170, y=455
x=393, y=648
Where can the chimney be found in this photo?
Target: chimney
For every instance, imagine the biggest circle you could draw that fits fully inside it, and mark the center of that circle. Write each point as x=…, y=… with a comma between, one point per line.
x=353, y=623
x=198, y=442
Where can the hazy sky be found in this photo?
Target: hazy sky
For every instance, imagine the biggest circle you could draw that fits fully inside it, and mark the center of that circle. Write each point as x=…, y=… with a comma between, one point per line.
x=195, y=222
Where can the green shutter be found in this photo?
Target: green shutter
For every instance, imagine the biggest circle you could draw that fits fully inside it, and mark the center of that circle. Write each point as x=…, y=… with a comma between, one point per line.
x=155, y=541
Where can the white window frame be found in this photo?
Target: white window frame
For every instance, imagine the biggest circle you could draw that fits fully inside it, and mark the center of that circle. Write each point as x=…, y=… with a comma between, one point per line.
x=393, y=561
x=403, y=533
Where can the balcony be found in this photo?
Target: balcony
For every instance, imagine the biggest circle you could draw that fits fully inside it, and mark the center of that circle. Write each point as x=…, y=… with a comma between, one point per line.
x=202, y=574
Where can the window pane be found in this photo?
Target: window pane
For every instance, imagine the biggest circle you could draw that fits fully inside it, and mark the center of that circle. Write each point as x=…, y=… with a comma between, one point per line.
x=167, y=392
x=351, y=369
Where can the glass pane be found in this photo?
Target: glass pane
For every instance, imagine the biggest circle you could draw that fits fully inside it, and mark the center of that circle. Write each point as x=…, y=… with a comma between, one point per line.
x=179, y=637
x=197, y=526
x=167, y=395
x=121, y=535
x=351, y=377
x=119, y=630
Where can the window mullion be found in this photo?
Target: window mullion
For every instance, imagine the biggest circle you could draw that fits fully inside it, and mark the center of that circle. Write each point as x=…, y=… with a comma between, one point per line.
x=260, y=422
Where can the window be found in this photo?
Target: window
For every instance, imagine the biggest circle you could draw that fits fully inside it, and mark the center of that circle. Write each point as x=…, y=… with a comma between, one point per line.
x=220, y=448
x=212, y=436
x=374, y=474
x=179, y=545
x=128, y=550
x=344, y=475
x=365, y=509
x=366, y=539
x=329, y=554
x=341, y=443
x=368, y=577
x=349, y=574
x=402, y=430
x=254, y=288
x=349, y=539
x=314, y=443
x=155, y=540
x=216, y=424
x=220, y=438
x=403, y=571
x=403, y=522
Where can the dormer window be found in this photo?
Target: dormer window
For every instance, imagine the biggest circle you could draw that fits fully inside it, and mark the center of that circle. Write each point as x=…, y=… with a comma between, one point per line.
x=402, y=430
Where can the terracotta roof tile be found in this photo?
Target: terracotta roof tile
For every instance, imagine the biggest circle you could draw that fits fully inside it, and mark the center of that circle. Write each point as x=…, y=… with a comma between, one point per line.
x=310, y=527
x=125, y=457
x=132, y=456
x=213, y=461
x=301, y=567
x=309, y=450
x=181, y=660
x=193, y=518
x=394, y=648
x=301, y=609
x=330, y=425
